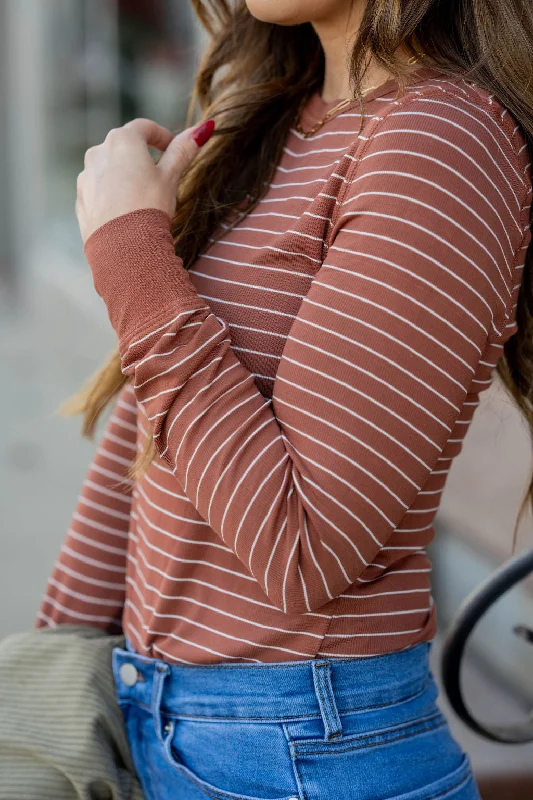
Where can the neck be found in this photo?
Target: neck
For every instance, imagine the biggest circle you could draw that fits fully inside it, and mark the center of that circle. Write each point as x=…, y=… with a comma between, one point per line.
x=337, y=34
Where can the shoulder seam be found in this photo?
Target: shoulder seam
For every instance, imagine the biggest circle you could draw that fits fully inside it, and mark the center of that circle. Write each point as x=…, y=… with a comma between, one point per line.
x=412, y=97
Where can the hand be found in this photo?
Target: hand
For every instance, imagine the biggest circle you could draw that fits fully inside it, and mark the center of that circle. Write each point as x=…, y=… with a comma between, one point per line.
x=120, y=175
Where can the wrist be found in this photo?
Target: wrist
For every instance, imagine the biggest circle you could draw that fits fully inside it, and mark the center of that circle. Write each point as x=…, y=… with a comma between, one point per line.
x=135, y=269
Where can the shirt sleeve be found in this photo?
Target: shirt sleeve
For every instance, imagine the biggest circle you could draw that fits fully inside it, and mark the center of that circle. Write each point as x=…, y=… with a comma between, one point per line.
x=87, y=584
x=306, y=488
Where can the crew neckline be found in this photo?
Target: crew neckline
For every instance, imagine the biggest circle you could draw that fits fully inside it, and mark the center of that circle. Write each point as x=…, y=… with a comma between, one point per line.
x=316, y=108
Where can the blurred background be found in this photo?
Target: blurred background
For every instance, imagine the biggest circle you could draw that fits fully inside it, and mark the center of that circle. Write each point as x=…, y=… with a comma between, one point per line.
x=69, y=71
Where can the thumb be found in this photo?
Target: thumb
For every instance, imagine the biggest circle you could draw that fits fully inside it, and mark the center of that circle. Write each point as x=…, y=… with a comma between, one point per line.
x=183, y=148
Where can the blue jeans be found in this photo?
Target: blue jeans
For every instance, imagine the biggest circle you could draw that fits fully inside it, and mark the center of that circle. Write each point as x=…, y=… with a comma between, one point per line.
x=317, y=729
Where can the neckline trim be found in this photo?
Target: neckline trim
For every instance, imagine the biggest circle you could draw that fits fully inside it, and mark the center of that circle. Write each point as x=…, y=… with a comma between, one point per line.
x=316, y=107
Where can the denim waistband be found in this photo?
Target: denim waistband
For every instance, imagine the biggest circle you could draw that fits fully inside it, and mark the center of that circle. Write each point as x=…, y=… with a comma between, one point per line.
x=271, y=690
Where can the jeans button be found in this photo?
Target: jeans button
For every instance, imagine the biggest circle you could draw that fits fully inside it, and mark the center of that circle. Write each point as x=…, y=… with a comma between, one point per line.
x=128, y=674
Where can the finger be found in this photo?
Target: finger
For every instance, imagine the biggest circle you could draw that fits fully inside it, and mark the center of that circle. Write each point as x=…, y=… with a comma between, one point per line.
x=183, y=148
x=152, y=133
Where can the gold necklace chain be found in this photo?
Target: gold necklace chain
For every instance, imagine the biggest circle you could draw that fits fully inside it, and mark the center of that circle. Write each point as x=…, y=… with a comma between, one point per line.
x=342, y=104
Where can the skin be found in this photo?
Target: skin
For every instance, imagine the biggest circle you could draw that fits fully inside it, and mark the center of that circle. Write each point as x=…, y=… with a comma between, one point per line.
x=336, y=23
x=120, y=175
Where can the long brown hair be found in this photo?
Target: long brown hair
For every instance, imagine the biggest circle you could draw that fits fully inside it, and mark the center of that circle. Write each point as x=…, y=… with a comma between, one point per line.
x=253, y=78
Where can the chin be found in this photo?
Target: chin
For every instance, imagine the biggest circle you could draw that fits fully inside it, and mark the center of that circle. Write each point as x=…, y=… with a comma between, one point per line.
x=294, y=12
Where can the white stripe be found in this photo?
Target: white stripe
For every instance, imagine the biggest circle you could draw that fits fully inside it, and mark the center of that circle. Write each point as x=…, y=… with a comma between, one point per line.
x=215, y=609
x=106, y=548
x=92, y=562
x=97, y=487
x=211, y=586
x=337, y=559
x=307, y=153
x=379, y=614
x=407, y=199
x=110, y=512
x=120, y=533
x=381, y=356
x=174, y=636
x=228, y=465
x=78, y=614
x=440, y=239
x=166, y=325
x=271, y=268
x=86, y=598
x=447, y=167
x=381, y=594
x=198, y=624
x=425, y=255
x=250, y=466
x=123, y=424
x=206, y=388
x=180, y=363
x=403, y=319
x=118, y=587
x=180, y=560
x=175, y=389
x=218, y=420
x=247, y=284
x=382, y=633
x=291, y=554
x=438, y=187
x=350, y=436
x=266, y=517
x=234, y=432
x=468, y=132
x=102, y=450
x=265, y=480
x=390, y=287
x=332, y=524
x=354, y=389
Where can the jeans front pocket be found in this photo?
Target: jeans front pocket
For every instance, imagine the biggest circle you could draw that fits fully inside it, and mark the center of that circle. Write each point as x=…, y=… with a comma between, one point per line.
x=231, y=760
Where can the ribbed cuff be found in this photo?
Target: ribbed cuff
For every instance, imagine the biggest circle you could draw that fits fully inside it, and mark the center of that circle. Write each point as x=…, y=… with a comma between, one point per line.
x=136, y=271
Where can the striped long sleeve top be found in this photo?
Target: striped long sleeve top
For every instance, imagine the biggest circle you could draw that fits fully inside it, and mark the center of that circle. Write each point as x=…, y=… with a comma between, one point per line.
x=308, y=381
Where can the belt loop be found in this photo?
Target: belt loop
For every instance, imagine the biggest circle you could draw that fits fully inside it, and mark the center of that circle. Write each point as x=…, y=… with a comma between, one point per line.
x=160, y=673
x=326, y=699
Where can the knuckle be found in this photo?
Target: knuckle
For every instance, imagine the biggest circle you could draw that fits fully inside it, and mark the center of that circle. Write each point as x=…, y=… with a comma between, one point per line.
x=181, y=152
x=114, y=135
x=89, y=154
x=138, y=121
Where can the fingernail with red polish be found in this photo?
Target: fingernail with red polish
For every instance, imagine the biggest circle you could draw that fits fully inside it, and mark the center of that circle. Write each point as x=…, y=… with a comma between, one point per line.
x=203, y=132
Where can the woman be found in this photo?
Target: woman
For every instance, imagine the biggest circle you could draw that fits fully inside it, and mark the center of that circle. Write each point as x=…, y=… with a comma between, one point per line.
x=303, y=337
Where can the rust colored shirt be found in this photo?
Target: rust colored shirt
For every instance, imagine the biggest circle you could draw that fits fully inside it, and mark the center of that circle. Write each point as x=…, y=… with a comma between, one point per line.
x=309, y=381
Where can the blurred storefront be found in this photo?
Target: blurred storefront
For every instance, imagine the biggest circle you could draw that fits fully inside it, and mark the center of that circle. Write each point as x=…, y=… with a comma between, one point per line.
x=70, y=70
x=73, y=69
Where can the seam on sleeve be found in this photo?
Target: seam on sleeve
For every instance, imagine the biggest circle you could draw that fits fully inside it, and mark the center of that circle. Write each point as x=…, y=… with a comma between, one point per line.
x=359, y=154
x=164, y=316
x=501, y=329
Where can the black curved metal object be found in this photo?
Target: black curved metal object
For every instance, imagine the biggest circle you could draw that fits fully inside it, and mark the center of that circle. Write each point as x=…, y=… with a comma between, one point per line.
x=467, y=617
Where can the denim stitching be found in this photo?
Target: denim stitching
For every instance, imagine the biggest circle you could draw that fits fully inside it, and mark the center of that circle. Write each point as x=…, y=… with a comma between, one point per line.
x=328, y=688
x=328, y=702
x=215, y=794
x=444, y=793
x=299, y=780
x=300, y=717
x=451, y=789
x=322, y=700
x=355, y=744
